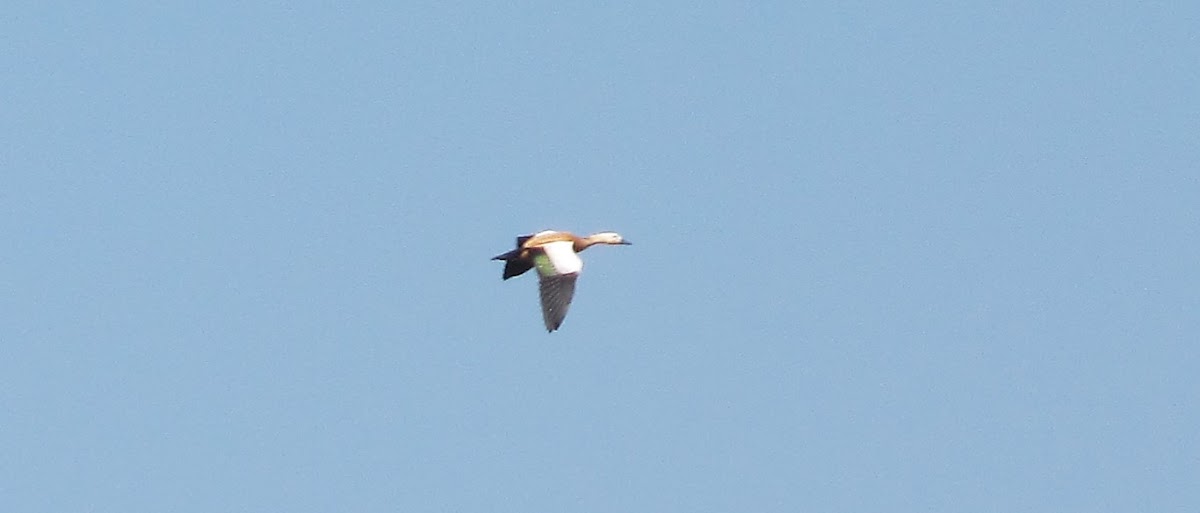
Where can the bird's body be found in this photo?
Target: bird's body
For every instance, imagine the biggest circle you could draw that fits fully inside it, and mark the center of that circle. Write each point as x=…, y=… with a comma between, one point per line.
x=555, y=255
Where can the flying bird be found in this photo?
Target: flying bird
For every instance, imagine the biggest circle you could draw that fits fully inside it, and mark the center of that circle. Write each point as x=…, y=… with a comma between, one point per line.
x=556, y=257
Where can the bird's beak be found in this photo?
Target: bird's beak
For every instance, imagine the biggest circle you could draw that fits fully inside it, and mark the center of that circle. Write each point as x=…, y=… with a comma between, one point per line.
x=626, y=243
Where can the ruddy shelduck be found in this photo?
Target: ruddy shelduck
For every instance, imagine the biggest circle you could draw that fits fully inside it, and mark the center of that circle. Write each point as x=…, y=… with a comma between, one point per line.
x=556, y=257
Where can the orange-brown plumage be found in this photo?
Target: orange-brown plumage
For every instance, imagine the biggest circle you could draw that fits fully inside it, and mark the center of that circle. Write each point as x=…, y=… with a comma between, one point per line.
x=555, y=255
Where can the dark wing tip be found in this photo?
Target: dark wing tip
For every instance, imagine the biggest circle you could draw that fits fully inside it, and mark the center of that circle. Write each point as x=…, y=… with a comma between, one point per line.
x=516, y=267
x=556, y=293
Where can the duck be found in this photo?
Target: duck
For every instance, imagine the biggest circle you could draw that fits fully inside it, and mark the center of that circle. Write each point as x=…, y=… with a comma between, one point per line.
x=555, y=254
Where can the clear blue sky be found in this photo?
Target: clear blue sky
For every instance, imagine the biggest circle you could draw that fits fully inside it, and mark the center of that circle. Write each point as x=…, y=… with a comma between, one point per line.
x=891, y=258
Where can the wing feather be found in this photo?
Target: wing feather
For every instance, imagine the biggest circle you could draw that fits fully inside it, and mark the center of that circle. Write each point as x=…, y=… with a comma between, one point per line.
x=561, y=257
x=556, y=292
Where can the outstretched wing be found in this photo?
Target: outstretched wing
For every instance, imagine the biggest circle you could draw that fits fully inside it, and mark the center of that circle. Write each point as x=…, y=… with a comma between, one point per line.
x=558, y=266
x=556, y=292
x=558, y=258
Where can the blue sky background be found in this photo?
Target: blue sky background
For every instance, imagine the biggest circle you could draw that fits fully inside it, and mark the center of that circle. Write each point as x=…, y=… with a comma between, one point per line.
x=902, y=257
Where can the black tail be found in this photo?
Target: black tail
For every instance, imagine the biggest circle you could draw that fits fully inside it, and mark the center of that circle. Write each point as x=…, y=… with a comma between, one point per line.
x=514, y=265
x=508, y=256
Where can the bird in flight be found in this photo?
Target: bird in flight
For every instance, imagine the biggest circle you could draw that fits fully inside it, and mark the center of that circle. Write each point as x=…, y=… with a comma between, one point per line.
x=556, y=257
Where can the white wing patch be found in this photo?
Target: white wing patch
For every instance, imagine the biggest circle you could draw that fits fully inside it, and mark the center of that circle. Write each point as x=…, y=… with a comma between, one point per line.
x=562, y=257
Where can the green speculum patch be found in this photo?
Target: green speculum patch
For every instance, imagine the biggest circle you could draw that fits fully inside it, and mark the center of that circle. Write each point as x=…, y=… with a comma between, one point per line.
x=544, y=266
